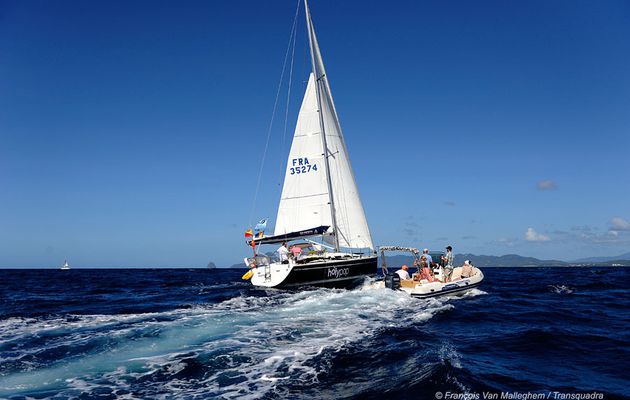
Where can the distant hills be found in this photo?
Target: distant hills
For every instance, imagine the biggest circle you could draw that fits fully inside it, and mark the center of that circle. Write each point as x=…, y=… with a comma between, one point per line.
x=508, y=260
x=625, y=256
x=514, y=260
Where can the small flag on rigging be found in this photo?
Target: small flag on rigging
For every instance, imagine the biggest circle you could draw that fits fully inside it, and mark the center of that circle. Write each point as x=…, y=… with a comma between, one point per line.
x=260, y=226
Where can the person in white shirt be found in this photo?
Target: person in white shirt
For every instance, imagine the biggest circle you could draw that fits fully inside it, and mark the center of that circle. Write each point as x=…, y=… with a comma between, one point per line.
x=402, y=272
x=467, y=269
x=283, y=253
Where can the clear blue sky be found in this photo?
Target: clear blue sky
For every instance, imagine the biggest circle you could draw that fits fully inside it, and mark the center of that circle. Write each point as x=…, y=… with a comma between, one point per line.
x=131, y=132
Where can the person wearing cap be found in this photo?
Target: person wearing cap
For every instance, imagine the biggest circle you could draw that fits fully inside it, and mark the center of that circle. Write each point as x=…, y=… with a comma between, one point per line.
x=402, y=272
x=448, y=257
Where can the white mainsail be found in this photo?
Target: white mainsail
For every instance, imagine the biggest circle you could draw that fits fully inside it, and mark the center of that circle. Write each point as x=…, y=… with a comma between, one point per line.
x=305, y=201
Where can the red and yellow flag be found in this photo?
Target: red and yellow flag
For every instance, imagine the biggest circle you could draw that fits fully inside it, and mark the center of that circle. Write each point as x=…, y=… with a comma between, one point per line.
x=249, y=233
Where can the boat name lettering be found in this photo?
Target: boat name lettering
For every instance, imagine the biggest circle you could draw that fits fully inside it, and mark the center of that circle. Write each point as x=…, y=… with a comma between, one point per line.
x=338, y=272
x=301, y=166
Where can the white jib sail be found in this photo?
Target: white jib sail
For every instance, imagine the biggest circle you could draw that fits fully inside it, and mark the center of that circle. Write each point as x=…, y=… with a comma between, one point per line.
x=305, y=200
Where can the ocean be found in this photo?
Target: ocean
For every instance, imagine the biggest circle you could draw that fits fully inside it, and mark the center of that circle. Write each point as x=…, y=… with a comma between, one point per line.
x=205, y=333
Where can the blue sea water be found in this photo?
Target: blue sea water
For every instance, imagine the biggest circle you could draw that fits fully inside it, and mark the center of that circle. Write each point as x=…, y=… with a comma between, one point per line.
x=200, y=333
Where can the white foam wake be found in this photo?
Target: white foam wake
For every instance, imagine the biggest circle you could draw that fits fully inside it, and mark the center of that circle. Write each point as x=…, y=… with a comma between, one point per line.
x=246, y=345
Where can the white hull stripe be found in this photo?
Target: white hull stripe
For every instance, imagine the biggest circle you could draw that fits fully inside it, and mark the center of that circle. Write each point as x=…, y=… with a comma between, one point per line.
x=442, y=292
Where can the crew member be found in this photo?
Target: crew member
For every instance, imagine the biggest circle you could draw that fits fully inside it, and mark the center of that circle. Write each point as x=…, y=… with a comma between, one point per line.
x=425, y=271
x=402, y=272
x=448, y=262
x=283, y=253
x=426, y=254
x=467, y=269
x=296, y=251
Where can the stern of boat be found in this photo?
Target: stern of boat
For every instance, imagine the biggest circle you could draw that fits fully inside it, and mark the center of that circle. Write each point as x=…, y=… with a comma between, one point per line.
x=337, y=270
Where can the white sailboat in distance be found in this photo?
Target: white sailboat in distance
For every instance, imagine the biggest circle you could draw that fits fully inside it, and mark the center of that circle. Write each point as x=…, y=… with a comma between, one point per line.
x=65, y=266
x=320, y=200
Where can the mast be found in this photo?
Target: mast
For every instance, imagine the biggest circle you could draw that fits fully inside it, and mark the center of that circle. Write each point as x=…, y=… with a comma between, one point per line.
x=331, y=201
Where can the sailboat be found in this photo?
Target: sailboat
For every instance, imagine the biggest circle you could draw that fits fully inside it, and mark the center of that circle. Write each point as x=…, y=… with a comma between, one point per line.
x=65, y=266
x=319, y=199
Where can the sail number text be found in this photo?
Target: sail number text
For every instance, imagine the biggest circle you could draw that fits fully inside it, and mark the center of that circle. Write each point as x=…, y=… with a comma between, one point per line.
x=301, y=166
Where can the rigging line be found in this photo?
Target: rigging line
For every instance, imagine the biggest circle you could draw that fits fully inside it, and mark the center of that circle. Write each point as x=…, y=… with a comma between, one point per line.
x=286, y=111
x=273, y=114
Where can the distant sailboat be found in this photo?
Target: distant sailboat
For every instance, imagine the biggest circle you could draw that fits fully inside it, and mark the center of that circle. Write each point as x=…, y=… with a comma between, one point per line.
x=319, y=199
x=65, y=265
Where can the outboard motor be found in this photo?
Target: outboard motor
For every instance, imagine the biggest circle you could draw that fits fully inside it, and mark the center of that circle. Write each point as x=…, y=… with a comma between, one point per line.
x=392, y=281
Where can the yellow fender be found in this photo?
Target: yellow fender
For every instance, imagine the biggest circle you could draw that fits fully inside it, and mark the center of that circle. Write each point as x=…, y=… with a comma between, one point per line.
x=248, y=274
